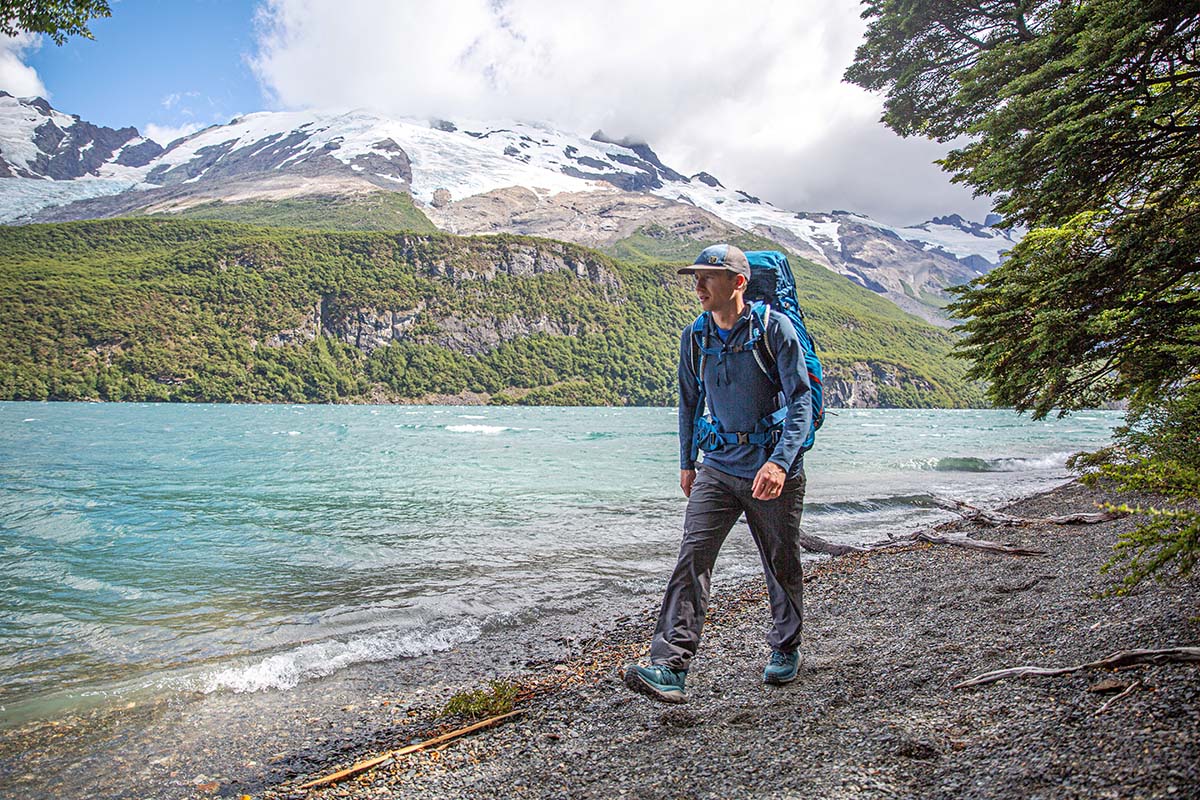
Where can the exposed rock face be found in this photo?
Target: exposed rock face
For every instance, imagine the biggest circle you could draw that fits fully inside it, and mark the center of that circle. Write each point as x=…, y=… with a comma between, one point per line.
x=370, y=328
x=387, y=160
x=859, y=387
x=524, y=260
x=139, y=155
x=588, y=218
x=857, y=390
x=278, y=153
x=67, y=147
x=480, y=336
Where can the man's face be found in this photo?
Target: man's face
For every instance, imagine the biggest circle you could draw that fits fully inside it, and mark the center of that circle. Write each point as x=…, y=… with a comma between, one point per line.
x=716, y=288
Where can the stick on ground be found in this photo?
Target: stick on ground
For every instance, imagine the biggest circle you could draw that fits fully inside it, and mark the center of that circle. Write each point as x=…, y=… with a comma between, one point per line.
x=1125, y=658
x=1111, y=700
x=363, y=766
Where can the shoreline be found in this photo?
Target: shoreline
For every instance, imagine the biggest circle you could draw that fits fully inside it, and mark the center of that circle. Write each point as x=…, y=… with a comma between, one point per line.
x=871, y=715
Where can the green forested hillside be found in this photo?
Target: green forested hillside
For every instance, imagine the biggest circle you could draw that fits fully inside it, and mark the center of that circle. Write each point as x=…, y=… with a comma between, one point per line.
x=169, y=309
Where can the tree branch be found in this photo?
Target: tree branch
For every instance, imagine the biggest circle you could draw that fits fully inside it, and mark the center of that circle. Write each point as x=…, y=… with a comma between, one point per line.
x=1125, y=658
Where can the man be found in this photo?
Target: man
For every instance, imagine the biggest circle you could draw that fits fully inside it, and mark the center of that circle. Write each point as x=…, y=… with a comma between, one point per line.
x=765, y=481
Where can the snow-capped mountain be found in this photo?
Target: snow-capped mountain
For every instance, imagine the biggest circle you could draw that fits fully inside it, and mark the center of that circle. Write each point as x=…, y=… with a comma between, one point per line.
x=468, y=177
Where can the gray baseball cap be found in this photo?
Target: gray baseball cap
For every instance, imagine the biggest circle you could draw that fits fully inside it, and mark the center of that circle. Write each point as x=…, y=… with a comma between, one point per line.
x=720, y=256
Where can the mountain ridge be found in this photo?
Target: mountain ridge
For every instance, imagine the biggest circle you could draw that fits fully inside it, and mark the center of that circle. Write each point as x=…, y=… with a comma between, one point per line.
x=453, y=170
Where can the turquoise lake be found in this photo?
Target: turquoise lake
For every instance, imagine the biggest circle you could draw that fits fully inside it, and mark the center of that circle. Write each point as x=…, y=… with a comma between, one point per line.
x=203, y=548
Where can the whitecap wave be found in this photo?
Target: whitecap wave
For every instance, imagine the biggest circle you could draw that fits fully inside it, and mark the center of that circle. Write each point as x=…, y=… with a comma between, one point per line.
x=286, y=670
x=1048, y=461
x=487, y=430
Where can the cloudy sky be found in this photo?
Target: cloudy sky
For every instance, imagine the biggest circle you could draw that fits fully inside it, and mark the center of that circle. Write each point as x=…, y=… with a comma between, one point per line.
x=750, y=92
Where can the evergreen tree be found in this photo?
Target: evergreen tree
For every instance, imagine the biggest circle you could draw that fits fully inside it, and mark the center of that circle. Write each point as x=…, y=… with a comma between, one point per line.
x=1082, y=119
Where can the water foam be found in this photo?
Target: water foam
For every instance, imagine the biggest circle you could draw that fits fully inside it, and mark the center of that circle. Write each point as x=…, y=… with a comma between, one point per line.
x=286, y=670
x=1049, y=461
x=1057, y=460
x=487, y=430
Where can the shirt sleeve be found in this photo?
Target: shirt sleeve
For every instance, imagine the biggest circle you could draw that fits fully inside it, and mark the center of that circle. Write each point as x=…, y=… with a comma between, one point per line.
x=793, y=376
x=689, y=396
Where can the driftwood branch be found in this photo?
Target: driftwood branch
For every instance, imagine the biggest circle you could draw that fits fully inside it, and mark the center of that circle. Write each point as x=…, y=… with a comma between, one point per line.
x=975, y=514
x=1128, y=690
x=816, y=544
x=363, y=766
x=1085, y=518
x=1125, y=658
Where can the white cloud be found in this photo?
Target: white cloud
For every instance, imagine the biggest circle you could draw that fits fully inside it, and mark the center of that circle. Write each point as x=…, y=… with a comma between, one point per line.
x=179, y=100
x=751, y=93
x=165, y=134
x=16, y=77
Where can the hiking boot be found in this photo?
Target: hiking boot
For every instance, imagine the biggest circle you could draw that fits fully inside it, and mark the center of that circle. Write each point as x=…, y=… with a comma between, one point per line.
x=661, y=683
x=782, y=668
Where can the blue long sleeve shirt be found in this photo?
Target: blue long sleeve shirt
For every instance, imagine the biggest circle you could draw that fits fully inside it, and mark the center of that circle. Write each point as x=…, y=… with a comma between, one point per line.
x=739, y=394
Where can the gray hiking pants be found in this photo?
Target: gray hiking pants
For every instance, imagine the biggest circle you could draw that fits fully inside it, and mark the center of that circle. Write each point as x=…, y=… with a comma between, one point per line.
x=716, y=502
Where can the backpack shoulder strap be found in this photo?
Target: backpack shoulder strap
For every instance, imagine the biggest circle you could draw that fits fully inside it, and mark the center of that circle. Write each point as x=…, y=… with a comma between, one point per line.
x=699, y=334
x=761, y=316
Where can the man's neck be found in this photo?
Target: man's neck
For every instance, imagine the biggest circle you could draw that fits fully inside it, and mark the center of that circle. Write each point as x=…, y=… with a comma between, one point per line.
x=727, y=317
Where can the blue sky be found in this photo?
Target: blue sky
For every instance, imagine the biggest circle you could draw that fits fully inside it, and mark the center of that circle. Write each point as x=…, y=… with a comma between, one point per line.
x=766, y=111
x=170, y=63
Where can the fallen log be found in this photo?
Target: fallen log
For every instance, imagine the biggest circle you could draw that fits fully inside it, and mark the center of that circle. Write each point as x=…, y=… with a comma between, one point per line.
x=1125, y=658
x=815, y=544
x=998, y=518
x=363, y=766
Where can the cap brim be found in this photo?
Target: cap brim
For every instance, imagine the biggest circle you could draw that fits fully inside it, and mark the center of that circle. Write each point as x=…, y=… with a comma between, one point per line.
x=688, y=270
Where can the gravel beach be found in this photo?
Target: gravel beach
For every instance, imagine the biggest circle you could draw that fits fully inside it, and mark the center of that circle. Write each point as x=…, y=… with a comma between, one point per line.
x=873, y=713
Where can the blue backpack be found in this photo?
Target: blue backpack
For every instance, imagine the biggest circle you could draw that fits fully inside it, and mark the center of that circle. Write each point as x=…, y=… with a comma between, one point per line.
x=772, y=289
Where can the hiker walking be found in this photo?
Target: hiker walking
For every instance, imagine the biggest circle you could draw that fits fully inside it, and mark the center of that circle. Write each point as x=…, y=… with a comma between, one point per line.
x=746, y=363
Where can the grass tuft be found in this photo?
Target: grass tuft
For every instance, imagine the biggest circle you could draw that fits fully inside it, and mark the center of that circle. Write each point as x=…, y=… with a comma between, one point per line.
x=483, y=703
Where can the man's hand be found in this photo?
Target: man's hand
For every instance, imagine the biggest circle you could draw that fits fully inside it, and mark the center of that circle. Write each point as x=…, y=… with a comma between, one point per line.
x=686, y=478
x=768, y=483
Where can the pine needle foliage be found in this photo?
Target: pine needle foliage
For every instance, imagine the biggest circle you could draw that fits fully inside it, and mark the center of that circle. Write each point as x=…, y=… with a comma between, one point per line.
x=1082, y=119
x=1157, y=454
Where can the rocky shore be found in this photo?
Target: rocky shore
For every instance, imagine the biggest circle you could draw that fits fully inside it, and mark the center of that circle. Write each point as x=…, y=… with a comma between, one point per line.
x=874, y=713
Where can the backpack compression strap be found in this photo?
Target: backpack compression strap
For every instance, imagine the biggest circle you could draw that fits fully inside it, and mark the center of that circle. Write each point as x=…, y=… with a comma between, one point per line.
x=708, y=433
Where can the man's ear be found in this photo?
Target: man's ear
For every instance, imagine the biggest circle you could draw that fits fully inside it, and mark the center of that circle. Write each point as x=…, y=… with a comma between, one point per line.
x=740, y=282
